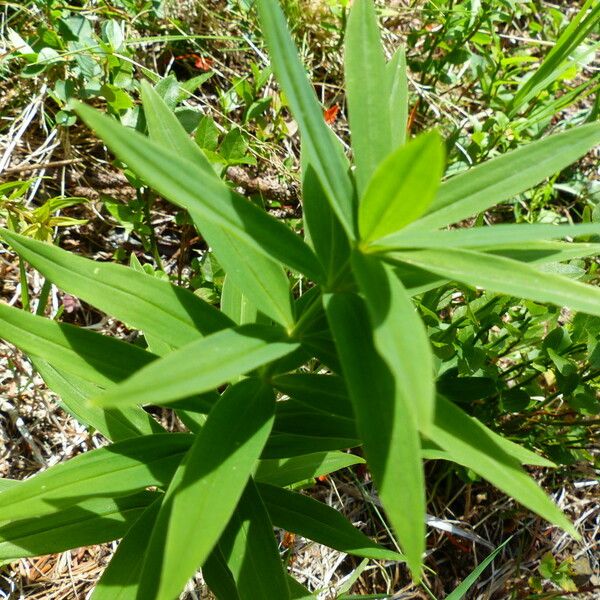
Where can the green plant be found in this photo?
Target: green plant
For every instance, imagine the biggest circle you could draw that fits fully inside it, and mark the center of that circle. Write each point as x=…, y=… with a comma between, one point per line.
x=350, y=353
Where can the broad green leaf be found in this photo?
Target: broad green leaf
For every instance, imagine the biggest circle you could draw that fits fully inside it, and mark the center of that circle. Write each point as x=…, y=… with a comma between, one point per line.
x=460, y=592
x=206, y=488
x=368, y=107
x=471, y=446
x=288, y=471
x=557, y=61
x=260, y=277
x=121, y=579
x=318, y=522
x=398, y=100
x=385, y=422
x=504, y=177
x=322, y=227
x=201, y=366
x=251, y=552
x=117, y=470
x=506, y=276
x=189, y=186
x=93, y=521
x=172, y=314
x=73, y=392
x=322, y=152
x=96, y=358
x=486, y=237
x=402, y=187
x=400, y=337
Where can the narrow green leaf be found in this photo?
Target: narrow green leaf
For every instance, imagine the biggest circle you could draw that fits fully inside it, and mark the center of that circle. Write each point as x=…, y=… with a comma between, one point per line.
x=471, y=446
x=73, y=392
x=322, y=227
x=93, y=521
x=285, y=445
x=402, y=187
x=187, y=185
x=218, y=577
x=398, y=94
x=506, y=276
x=298, y=591
x=96, y=358
x=260, y=277
x=252, y=555
x=117, y=470
x=504, y=177
x=206, y=488
x=287, y=471
x=460, y=592
x=172, y=314
x=322, y=151
x=6, y=484
x=558, y=60
x=486, y=237
x=201, y=366
x=121, y=579
x=385, y=422
x=400, y=337
x=318, y=522
x=368, y=107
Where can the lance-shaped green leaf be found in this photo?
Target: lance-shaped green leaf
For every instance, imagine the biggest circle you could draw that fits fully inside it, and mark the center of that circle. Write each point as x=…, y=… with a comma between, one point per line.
x=298, y=591
x=201, y=366
x=385, y=422
x=285, y=445
x=260, y=277
x=469, y=445
x=172, y=314
x=288, y=471
x=485, y=237
x=96, y=358
x=73, y=392
x=321, y=523
x=504, y=177
x=218, y=577
x=93, y=521
x=121, y=579
x=322, y=227
x=117, y=470
x=6, y=484
x=506, y=276
x=318, y=142
x=557, y=60
x=398, y=97
x=402, y=187
x=368, y=107
x=251, y=552
x=187, y=185
x=399, y=335
x=206, y=488
x=236, y=305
